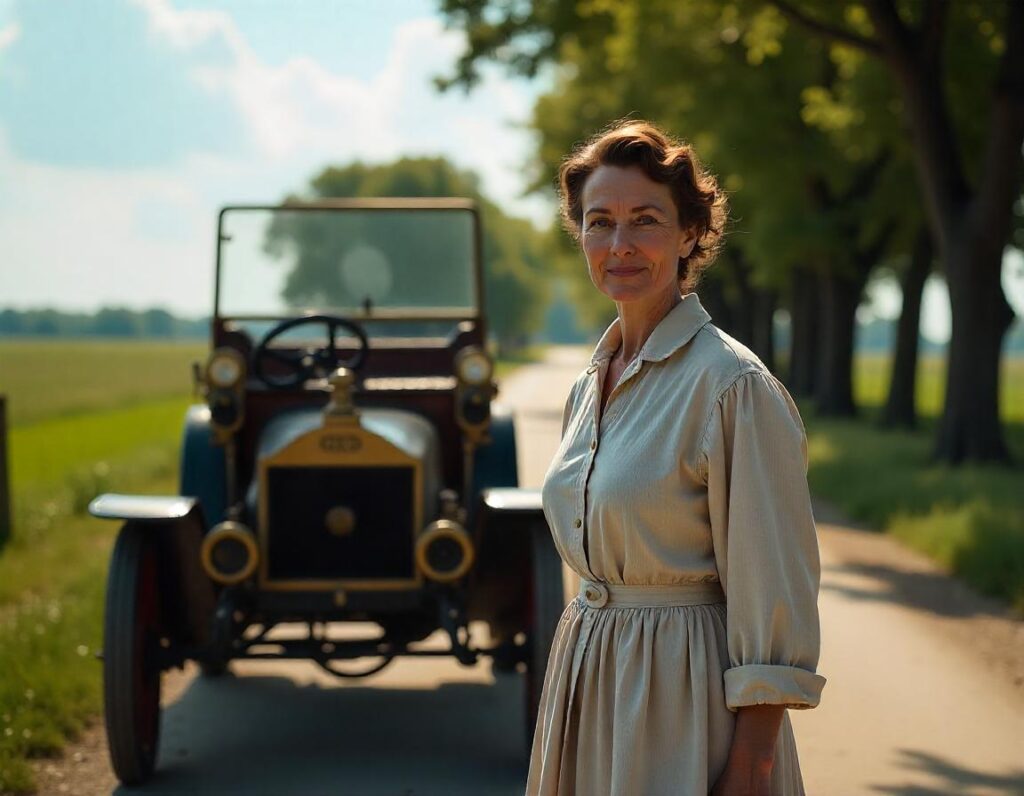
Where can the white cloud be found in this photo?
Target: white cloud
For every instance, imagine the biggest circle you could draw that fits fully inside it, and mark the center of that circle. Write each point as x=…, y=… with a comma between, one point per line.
x=9, y=34
x=84, y=237
x=300, y=111
x=186, y=29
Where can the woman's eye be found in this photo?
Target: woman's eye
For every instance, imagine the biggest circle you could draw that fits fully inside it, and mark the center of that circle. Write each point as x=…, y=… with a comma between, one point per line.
x=599, y=222
x=646, y=220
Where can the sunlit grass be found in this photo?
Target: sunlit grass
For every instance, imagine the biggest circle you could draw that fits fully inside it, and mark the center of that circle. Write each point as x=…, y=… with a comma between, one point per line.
x=871, y=375
x=51, y=684
x=969, y=518
x=52, y=581
x=88, y=417
x=52, y=451
x=47, y=378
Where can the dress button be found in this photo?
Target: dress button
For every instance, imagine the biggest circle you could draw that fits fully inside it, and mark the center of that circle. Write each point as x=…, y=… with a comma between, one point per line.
x=593, y=444
x=579, y=523
x=595, y=595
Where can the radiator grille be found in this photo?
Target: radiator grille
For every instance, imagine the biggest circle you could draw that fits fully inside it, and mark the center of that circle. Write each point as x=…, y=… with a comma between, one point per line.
x=299, y=546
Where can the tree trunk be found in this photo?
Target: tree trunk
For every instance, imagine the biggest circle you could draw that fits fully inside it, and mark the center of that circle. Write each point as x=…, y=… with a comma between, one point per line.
x=839, y=297
x=762, y=340
x=803, y=330
x=900, y=408
x=970, y=428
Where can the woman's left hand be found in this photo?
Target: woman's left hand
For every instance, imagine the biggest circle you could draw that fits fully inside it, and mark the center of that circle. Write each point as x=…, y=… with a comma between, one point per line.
x=748, y=771
x=744, y=778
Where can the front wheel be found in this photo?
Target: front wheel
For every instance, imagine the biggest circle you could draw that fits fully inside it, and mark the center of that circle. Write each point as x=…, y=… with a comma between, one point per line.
x=131, y=655
x=547, y=602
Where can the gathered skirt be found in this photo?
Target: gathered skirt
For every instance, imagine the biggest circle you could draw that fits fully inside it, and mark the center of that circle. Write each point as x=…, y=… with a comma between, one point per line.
x=633, y=704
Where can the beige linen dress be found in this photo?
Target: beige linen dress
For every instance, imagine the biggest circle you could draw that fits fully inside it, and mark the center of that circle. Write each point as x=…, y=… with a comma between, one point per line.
x=685, y=511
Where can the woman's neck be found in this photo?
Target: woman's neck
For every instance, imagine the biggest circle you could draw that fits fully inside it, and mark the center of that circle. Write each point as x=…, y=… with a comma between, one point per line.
x=637, y=319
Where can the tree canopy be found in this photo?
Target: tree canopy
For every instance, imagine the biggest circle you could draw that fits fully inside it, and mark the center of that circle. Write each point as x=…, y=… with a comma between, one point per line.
x=804, y=109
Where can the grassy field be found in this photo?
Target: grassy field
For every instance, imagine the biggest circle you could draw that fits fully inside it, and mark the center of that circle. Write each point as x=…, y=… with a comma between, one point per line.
x=44, y=379
x=871, y=384
x=970, y=519
x=86, y=417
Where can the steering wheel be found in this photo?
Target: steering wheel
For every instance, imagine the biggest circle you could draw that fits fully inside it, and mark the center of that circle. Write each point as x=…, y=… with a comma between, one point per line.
x=312, y=363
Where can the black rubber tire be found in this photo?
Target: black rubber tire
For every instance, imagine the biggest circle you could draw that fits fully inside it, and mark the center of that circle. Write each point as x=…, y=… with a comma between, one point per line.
x=547, y=602
x=131, y=647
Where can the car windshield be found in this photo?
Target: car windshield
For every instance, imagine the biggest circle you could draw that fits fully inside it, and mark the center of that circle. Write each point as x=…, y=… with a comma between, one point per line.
x=414, y=261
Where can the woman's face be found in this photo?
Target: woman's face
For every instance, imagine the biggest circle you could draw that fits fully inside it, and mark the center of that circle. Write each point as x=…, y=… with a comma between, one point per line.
x=631, y=235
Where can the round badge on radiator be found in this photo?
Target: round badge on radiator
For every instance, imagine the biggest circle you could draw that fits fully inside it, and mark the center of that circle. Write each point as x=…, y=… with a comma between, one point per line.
x=340, y=521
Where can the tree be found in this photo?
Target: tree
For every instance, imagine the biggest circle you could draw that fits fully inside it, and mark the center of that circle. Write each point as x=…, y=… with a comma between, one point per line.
x=969, y=174
x=116, y=322
x=900, y=407
x=157, y=322
x=515, y=294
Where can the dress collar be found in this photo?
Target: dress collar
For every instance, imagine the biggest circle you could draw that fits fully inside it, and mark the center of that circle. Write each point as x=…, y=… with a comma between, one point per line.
x=673, y=331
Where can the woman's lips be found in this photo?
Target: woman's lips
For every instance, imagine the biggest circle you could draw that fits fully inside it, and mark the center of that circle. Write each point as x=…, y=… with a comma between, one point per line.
x=624, y=271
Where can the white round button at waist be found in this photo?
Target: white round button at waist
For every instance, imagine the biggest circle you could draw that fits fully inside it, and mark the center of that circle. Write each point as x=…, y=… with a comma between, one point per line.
x=595, y=595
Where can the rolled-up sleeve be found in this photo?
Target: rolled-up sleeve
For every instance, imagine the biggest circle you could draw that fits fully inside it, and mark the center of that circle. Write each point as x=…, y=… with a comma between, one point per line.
x=765, y=544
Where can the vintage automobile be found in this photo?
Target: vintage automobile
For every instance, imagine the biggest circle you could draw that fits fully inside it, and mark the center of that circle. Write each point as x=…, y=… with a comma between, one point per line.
x=348, y=464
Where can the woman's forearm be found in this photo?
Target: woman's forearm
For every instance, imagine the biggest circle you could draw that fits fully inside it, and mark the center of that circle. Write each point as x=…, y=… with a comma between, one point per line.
x=757, y=730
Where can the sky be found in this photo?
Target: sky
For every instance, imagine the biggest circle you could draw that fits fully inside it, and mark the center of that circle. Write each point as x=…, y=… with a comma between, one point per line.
x=126, y=124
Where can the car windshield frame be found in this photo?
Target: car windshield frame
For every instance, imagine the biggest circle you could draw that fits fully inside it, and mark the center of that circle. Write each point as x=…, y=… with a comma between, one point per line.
x=454, y=314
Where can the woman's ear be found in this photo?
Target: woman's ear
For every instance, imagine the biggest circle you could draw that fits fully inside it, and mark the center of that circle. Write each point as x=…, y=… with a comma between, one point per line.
x=687, y=243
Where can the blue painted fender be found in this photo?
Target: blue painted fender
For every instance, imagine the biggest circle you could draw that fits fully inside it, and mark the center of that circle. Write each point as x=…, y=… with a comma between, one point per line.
x=495, y=463
x=203, y=473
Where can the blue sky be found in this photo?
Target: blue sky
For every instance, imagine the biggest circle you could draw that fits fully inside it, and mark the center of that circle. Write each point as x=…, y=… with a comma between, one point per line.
x=125, y=124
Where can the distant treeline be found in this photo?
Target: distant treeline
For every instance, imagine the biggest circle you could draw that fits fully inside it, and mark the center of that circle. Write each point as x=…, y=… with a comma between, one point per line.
x=118, y=322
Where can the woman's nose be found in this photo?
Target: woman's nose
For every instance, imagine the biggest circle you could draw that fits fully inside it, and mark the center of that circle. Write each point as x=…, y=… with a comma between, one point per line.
x=622, y=241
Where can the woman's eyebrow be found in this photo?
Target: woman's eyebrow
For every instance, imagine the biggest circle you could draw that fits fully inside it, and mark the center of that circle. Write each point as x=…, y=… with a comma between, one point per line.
x=639, y=209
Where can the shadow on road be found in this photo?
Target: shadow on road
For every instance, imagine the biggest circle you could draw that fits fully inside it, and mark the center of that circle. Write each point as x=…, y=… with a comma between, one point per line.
x=270, y=735
x=951, y=778
x=935, y=593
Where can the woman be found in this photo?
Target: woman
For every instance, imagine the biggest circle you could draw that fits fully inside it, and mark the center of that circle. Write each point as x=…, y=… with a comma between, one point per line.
x=679, y=496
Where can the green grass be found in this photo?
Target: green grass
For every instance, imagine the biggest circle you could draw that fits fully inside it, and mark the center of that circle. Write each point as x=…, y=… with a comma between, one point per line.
x=47, y=378
x=970, y=519
x=48, y=452
x=52, y=579
x=86, y=417
x=871, y=384
x=51, y=682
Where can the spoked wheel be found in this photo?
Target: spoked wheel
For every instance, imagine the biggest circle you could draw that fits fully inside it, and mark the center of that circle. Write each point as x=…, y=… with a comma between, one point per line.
x=131, y=655
x=547, y=602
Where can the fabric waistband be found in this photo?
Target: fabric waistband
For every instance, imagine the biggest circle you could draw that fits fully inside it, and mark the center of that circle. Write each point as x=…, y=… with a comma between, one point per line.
x=612, y=595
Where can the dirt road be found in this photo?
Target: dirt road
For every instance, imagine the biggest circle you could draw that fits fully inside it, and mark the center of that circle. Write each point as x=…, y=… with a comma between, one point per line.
x=925, y=692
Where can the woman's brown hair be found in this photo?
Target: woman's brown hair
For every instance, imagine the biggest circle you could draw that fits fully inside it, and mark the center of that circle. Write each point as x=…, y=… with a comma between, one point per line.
x=700, y=203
